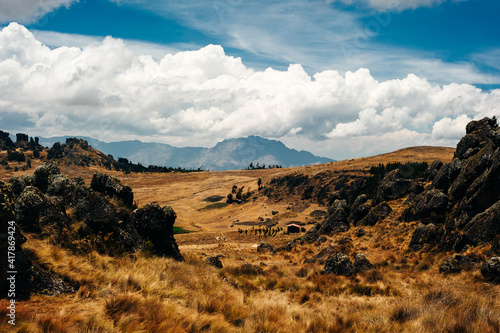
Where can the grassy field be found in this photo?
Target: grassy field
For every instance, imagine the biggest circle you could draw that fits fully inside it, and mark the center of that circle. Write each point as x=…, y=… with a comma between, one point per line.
x=284, y=292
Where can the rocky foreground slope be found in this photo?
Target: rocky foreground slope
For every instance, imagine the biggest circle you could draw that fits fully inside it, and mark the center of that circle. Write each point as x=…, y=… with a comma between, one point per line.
x=100, y=218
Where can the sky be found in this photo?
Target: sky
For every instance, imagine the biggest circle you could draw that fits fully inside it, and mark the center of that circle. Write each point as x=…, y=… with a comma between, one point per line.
x=339, y=78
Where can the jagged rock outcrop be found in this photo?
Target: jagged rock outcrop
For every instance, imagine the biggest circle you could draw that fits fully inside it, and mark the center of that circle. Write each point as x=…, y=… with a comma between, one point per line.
x=155, y=224
x=376, y=214
x=30, y=277
x=359, y=209
x=429, y=207
x=463, y=202
x=490, y=270
x=83, y=219
x=112, y=187
x=394, y=186
x=339, y=264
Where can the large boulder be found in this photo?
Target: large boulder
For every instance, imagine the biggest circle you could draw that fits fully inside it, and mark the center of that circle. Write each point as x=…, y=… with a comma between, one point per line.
x=42, y=174
x=264, y=247
x=339, y=264
x=361, y=263
x=34, y=211
x=424, y=234
x=112, y=187
x=376, y=214
x=490, y=270
x=485, y=227
x=155, y=224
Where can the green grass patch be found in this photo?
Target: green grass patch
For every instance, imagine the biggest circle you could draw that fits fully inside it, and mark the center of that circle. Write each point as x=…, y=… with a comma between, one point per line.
x=178, y=230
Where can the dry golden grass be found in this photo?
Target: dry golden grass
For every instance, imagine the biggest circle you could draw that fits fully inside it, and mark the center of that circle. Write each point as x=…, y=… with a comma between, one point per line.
x=139, y=293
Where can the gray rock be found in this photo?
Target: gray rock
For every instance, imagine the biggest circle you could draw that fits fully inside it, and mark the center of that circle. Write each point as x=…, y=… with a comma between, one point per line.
x=455, y=264
x=490, y=270
x=376, y=214
x=214, y=261
x=155, y=223
x=424, y=234
x=112, y=187
x=42, y=174
x=361, y=263
x=392, y=187
x=339, y=264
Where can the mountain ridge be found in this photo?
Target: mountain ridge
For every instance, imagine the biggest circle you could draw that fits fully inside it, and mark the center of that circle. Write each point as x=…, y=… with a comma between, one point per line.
x=229, y=154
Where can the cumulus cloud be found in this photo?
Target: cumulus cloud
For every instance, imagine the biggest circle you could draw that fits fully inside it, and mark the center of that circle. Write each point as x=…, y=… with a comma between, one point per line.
x=28, y=11
x=107, y=91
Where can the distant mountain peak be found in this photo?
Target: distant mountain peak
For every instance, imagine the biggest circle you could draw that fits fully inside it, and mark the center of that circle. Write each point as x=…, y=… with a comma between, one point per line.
x=228, y=154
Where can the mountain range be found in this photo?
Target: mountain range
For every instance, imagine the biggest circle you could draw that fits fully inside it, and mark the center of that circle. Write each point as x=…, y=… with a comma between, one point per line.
x=230, y=154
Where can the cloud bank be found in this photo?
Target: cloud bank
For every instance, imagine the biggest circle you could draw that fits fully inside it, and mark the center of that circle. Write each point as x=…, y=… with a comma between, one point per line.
x=199, y=97
x=28, y=11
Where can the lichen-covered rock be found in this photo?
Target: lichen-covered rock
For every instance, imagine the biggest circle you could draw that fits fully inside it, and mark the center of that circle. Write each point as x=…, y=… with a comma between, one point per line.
x=214, y=261
x=376, y=214
x=455, y=264
x=485, y=227
x=358, y=213
x=428, y=207
x=112, y=187
x=424, y=234
x=392, y=187
x=19, y=183
x=34, y=210
x=339, y=264
x=447, y=174
x=42, y=174
x=361, y=263
x=490, y=270
x=155, y=224
x=433, y=169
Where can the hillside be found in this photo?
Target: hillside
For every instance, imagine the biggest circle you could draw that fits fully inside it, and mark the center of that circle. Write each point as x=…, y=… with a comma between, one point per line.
x=361, y=264
x=231, y=154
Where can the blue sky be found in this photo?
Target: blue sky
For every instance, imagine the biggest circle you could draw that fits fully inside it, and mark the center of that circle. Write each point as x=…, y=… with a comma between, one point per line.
x=328, y=76
x=453, y=31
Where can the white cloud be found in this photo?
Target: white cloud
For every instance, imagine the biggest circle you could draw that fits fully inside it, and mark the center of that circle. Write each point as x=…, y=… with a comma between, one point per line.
x=108, y=91
x=28, y=11
x=394, y=4
x=448, y=128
